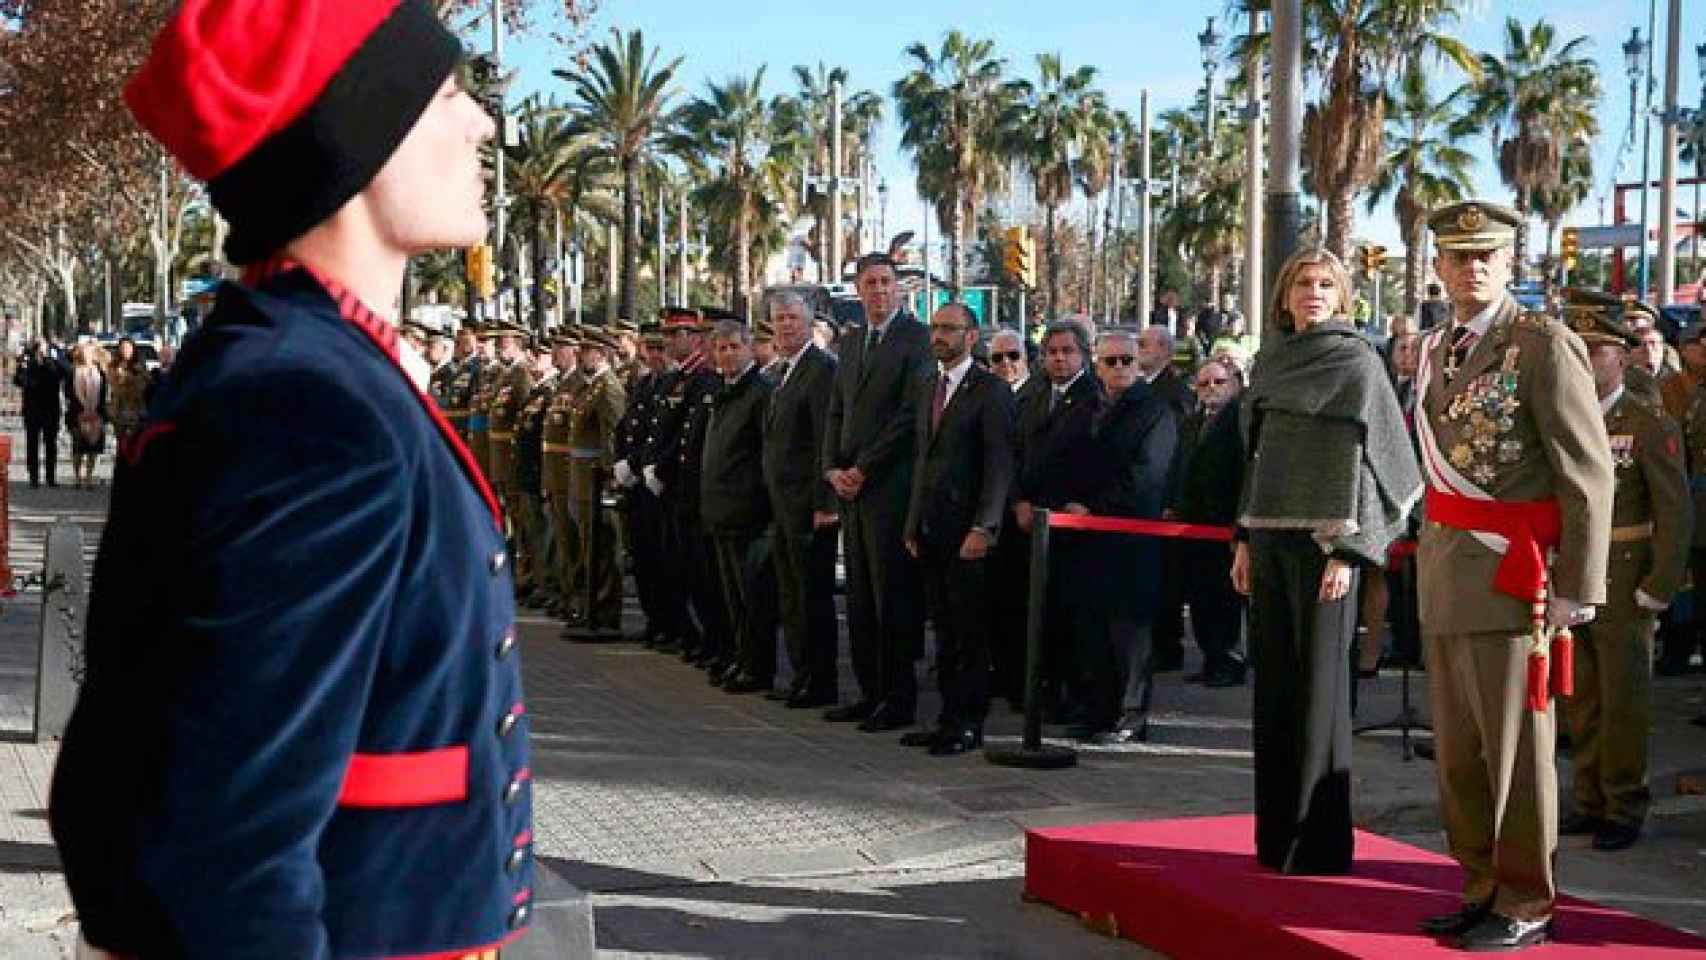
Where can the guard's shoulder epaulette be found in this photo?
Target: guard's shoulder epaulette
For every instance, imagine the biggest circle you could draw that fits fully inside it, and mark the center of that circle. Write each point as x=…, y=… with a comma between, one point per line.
x=1538, y=321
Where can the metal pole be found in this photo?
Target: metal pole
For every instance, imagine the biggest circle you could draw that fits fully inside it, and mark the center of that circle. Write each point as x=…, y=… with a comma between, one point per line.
x=1647, y=143
x=562, y=268
x=681, y=253
x=501, y=201
x=610, y=278
x=1117, y=295
x=1031, y=753
x=663, y=254
x=1667, y=162
x=1145, y=225
x=1253, y=177
x=835, y=161
x=1284, y=211
x=924, y=310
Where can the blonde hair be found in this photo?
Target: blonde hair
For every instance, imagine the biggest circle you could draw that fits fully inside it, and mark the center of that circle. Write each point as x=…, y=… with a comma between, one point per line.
x=1315, y=256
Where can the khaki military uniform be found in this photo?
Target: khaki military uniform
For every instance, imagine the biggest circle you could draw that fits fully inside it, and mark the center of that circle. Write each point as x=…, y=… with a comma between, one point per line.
x=480, y=418
x=593, y=415
x=1611, y=711
x=532, y=529
x=459, y=396
x=1520, y=421
x=125, y=388
x=554, y=474
x=514, y=383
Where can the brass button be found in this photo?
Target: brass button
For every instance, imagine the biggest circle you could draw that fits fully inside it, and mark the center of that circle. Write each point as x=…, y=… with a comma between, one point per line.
x=506, y=643
x=516, y=858
x=506, y=723
x=497, y=562
x=519, y=916
x=512, y=792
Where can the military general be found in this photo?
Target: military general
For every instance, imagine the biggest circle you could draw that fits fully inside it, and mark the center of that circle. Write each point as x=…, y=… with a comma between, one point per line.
x=1518, y=469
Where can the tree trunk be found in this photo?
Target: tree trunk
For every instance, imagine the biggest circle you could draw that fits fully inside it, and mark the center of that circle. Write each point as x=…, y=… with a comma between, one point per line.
x=1339, y=219
x=743, y=254
x=1214, y=274
x=1415, y=240
x=956, y=265
x=1090, y=257
x=539, y=272
x=630, y=237
x=1053, y=265
x=1521, y=236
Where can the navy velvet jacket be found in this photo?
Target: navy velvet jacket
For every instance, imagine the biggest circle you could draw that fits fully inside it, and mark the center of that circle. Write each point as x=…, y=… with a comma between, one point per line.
x=301, y=731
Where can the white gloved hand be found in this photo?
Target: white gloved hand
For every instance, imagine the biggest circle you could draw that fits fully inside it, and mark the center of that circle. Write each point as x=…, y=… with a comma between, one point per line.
x=1563, y=612
x=1646, y=602
x=652, y=482
x=625, y=475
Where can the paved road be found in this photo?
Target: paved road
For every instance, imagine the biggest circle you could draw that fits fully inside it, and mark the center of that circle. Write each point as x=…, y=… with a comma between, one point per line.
x=717, y=825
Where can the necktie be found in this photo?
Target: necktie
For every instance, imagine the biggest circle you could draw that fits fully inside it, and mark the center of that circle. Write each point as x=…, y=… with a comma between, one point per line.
x=1053, y=399
x=782, y=373
x=872, y=337
x=940, y=402
x=1462, y=341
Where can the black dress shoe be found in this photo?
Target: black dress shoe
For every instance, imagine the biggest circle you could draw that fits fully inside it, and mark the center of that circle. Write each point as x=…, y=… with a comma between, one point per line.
x=746, y=683
x=779, y=695
x=1498, y=934
x=886, y=718
x=1616, y=836
x=1699, y=721
x=803, y=701
x=1201, y=676
x=850, y=713
x=1580, y=825
x=922, y=738
x=1457, y=922
x=1221, y=679
x=1132, y=728
x=963, y=741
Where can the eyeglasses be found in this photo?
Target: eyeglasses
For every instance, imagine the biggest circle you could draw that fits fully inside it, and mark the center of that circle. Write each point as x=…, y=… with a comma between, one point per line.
x=1119, y=360
x=1004, y=356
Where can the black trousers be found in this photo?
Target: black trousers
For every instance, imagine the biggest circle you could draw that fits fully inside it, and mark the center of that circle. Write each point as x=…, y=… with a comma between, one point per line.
x=1404, y=614
x=957, y=591
x=1169, y=626
x=646, y=542
x=1119, y=664
x=1217, y=611
x=1302, y=719
x=885, y=608
x=749, y=599
x=45, y=438
x=703, y=583
x=805, y=581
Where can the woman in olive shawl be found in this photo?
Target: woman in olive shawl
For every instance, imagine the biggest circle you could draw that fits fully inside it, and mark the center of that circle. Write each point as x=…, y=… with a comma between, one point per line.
x=1328, y=484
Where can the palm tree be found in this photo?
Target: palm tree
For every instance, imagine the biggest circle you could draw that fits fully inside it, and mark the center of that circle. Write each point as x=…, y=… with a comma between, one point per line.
x=1575, y=183
x=622, y=99
x=950, y=105
x=545, y=170
x=1423, y=170
x=1047, y=125
x=1093, y=170
x=741, y=140
x=1535, y=101
x=1358, y=46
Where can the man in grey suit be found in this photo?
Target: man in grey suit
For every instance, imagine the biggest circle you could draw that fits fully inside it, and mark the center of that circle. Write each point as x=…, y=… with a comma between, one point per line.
x=959, y=494
x=867, y=459
x=803, y=537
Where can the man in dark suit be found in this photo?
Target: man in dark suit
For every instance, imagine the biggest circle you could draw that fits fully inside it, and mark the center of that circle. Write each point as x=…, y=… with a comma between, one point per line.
x=1155, y=349
x=1054, y=445
x=736, y=510
x=959, y=494
x=867, y=459
x=803, y=536
x=41, y=378
x=303, y=692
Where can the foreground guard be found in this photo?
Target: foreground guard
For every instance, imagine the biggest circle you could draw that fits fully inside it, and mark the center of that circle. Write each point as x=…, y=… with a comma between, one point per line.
x=1612, y=706
x=293, y=739
x=1518, y=470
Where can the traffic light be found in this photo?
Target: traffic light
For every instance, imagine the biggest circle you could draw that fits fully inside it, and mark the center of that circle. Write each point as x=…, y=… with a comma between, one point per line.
x=1572, y=246
x=1371, y=258
x=482, y=271
x=1018, y=256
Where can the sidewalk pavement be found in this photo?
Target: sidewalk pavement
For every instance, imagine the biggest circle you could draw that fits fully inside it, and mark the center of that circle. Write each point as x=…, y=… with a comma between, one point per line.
x=707, y=824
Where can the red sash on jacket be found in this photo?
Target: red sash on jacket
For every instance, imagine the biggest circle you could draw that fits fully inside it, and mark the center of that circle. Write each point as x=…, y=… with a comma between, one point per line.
x=1531, y=526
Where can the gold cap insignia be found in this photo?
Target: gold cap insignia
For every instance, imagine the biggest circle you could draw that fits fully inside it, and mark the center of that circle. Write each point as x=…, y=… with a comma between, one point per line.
x=1471, y=219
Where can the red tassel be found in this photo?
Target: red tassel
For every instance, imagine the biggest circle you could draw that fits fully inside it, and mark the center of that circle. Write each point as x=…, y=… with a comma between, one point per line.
x=1538, y=694
x=1563, y=664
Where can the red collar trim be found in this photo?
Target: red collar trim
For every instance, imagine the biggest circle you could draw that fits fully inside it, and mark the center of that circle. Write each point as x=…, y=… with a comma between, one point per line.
x=384, y=336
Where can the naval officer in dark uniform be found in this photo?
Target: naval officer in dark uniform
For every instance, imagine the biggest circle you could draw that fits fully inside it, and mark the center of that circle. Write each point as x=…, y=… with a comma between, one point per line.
x=292, y=739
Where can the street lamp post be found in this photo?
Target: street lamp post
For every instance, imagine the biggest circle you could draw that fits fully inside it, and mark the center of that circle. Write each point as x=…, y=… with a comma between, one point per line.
x=1667, y=159
x=1634, y=53
x=1698, y=139
x=883, y=212
x=1209, y=40
x=1253, y=184
x=1647, y=143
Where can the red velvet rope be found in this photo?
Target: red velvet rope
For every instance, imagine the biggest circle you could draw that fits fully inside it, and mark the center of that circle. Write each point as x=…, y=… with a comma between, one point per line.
x=1146, y=528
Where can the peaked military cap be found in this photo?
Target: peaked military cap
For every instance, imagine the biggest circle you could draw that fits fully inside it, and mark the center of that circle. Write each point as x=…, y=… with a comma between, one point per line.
x=679, y=318
x=1474, y=225
x=1597, y=318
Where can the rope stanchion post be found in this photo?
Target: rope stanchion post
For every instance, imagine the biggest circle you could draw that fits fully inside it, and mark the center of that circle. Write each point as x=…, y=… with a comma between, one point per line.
x=1409, y=718
x=1031, y=752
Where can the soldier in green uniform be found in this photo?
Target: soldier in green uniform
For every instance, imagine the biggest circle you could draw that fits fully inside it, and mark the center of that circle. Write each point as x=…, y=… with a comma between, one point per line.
x=464, y=382
x=531, y=527
x=511, y=383
x=1520, y=482
x=554, y=474
x=480, y=407
x=1611, y=710
x=593, y=415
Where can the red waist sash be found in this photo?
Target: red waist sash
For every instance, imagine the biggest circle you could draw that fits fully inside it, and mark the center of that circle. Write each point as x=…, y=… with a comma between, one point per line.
x=1531, y=526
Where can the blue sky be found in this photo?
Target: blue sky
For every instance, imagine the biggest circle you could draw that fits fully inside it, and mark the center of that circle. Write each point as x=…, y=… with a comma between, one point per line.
x=1135, y=45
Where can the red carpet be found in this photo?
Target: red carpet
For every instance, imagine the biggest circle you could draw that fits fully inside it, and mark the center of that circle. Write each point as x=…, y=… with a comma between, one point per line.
x=1192, y=888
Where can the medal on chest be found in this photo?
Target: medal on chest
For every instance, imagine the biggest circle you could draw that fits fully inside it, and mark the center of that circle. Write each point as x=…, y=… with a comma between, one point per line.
x=1623, y=450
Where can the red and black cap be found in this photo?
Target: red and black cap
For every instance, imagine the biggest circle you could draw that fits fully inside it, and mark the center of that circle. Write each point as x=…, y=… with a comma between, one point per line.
x=288, y=108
